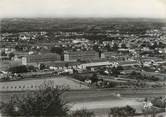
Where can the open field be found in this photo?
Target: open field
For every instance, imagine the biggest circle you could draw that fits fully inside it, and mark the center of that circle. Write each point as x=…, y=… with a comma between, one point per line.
x=97, y=101
x=80, y=96
x=98, y=94
x=100, y=101
x=105, y=104
x=35, y=84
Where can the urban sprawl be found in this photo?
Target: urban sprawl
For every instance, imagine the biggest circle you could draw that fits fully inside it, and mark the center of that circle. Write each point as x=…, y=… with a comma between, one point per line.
x=85, y=55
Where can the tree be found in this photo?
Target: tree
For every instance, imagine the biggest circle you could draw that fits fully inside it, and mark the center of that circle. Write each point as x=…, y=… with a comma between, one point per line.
x=42, y=66
x=19, y=47
x=123, y=45
x=96, y=48
x=3, y=53
x=44, y=102
x=108, y=47
x=31, y=68
x=94, y=78
x=115, y=71
x=58, y=50
x=126, y=111
x=120, y=68
x=11, y=55
x=18, y=69
x=82, y=113
x=159, y=102
x=66, y=64
x=115, y=47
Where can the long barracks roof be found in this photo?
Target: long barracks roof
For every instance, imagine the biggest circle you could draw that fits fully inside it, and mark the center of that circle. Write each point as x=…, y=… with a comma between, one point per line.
x=97, y=64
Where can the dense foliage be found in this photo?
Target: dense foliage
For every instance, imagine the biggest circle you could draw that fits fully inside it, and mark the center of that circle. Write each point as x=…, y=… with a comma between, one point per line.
x=139, y=76
x=122, y=112
x=21, y=69
x=82, y=113
x=159, y=102
x=44, y=102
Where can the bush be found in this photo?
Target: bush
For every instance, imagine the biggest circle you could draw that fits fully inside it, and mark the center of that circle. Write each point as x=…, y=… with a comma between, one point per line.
x=94, y=78
x=31, y=68
x=116, y=71
x=120, y=68
x=18, y=69
x=122, y=112
x=21, y=69
x=83, y=113
x=44, y=102
x=139, y=76
x=58, y=50
x=159, y=102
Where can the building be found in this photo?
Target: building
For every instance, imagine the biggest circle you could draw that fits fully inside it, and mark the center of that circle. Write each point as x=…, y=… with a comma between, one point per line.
x=81, y=55
x=38, y=59
x=112, y=56
x=96, y=64
x=62, y=64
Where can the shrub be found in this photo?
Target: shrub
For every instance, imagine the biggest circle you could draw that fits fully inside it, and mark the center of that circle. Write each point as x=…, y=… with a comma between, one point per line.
x=122, y=112
x=44, y=102
x=18, y=69
x=159, y=102
x=83, y=113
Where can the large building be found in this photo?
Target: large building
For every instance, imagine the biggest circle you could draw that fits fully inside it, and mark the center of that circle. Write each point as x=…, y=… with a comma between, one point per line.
x=112, y=56
x=81, y=55
x=38, y=59
x=96, y=64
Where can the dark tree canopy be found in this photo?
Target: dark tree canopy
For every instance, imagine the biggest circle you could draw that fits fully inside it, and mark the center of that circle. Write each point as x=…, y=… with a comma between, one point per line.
x=11, y=55
x=57, y=50
x=115, y=47
x=18, y=69
x=126, y=111
x=94, y=78
x=44, y=102
x=21, y=69
x=83, y=113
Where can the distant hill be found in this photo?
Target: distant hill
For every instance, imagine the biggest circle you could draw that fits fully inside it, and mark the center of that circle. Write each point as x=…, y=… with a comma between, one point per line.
x=58, y=24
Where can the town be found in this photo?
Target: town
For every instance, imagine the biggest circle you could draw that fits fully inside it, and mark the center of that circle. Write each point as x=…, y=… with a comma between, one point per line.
x=84, y=54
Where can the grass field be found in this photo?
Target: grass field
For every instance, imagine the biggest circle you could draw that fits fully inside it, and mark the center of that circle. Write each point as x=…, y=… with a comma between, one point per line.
x=35, y=84
x=100, y=100
x=97, y=100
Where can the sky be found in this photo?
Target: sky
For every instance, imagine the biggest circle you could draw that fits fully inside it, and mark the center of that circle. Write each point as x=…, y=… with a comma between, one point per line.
x=83, y=8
